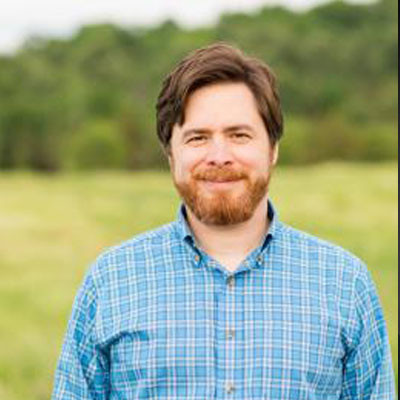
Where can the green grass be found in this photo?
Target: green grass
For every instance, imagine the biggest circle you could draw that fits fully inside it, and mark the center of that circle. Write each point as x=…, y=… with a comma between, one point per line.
x=52, y=228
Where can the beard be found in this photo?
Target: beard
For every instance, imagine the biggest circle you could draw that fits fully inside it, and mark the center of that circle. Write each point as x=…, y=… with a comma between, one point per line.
x=223, y=207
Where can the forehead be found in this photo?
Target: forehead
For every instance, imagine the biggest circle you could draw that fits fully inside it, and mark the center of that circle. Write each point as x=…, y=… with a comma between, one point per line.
x=222, y=103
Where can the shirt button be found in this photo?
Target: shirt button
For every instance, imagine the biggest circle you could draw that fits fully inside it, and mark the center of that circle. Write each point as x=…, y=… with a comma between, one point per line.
x=196, y=258
x=229, y=387
x=259, y=259
x=230, y=333
x=230, y=281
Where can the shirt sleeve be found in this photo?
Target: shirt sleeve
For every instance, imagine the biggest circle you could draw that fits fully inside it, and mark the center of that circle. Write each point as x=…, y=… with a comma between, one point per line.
x=368, y=372
x=82, y=371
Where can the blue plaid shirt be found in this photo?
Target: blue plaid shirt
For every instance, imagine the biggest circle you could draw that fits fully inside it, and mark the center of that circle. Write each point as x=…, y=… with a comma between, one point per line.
x=157, y=318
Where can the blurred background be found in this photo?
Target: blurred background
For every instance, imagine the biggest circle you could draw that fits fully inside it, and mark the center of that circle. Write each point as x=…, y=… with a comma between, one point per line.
x=81, y=168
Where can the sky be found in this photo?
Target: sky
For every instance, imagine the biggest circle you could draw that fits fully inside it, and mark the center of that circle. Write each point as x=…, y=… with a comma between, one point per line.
x=20, y=19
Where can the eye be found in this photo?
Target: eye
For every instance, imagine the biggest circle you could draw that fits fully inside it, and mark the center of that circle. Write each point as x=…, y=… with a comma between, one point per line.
x=241, y=136
x=196, y=139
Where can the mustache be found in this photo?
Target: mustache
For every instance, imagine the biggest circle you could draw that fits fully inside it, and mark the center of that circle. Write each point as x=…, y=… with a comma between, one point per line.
x=219, y=175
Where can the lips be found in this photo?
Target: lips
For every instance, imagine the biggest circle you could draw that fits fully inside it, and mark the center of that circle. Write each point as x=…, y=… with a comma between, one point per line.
x=220, y=180
x=220, y=184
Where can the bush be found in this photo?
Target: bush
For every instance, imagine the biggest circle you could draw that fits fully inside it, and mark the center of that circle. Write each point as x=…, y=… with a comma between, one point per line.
x=98, y=144
x=332, y=137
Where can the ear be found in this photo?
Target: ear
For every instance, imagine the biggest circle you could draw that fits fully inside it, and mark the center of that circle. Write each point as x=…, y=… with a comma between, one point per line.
x=170, y=158
x=170, y=161
x=275, y=154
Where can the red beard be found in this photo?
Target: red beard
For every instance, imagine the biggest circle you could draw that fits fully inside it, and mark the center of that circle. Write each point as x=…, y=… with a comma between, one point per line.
x=222, y=207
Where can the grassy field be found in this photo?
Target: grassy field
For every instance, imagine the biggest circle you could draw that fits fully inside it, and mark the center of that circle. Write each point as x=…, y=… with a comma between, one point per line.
x=52, y=227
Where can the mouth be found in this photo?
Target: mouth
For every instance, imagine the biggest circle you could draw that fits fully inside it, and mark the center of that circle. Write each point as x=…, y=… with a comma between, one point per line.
x=220, y=184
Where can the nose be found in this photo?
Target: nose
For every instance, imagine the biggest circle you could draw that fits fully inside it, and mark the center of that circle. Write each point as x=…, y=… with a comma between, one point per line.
x=219, y=152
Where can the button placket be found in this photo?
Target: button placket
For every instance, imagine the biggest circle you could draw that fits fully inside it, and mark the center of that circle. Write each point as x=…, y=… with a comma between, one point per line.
x=230, y=334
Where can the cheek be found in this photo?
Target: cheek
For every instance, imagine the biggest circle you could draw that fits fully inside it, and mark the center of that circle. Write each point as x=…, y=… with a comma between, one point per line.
x=184, y=166
x=254, y=161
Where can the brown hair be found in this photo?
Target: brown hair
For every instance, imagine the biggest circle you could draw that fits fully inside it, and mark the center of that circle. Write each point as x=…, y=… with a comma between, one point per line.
x=219, y=62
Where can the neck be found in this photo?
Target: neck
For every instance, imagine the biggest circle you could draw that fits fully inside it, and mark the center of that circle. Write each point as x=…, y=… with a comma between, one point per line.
x=231, y=241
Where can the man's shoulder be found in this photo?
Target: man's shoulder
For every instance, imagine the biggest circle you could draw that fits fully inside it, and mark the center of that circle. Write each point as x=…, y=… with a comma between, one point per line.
x=316, y=248
x=138, y=249
x=151, y=237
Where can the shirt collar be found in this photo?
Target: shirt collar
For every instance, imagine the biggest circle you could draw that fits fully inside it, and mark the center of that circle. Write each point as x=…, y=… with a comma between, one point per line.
x=185, y=233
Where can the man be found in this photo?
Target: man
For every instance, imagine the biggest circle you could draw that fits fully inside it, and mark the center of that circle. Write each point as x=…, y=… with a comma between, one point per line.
x=227, y=302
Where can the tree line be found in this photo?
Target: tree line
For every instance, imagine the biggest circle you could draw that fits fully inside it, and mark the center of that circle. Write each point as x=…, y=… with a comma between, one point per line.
x=88, y=101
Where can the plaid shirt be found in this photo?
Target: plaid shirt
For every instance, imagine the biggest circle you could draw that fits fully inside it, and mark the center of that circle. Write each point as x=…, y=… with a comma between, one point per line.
x=157, y=318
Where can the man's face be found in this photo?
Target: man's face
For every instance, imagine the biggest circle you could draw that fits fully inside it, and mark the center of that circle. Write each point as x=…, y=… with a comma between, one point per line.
x=221, y=157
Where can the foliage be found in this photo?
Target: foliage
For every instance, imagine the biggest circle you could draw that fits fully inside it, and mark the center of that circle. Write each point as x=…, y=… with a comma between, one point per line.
x=97, y=145
x=336, y=64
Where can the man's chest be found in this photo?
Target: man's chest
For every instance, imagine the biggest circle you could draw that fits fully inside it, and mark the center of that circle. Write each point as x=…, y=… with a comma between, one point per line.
x=252, y=332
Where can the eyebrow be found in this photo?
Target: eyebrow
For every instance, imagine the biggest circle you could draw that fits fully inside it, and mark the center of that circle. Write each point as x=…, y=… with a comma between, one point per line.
x=231, y=128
